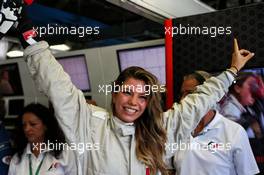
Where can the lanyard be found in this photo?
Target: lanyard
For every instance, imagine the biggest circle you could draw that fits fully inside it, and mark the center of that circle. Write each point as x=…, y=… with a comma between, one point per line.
x=39, y=166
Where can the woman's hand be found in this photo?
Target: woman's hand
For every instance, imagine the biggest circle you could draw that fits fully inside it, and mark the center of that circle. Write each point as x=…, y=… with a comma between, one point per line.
x=239, y=57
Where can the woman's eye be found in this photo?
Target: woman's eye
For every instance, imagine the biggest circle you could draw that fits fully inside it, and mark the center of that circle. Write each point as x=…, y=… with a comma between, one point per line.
x=143, y=96
x=127, y=92
x=33, y=124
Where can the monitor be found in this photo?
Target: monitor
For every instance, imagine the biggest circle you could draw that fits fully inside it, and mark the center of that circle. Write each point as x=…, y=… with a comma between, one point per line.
x=77, y=69
x=15, y=107
x=151, y=58
x=10, y=82
x=257, y=70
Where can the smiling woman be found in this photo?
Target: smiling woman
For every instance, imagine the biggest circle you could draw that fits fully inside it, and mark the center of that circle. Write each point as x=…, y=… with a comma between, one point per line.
x=128, y=104
x=142, y=107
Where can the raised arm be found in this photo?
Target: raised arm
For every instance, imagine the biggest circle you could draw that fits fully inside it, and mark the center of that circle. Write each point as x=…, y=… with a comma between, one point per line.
x=69, y=103
x=184, y=117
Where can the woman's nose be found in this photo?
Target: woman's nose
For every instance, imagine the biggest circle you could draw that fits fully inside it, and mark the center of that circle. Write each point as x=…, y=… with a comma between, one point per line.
x=26, y=128
x=133, y=100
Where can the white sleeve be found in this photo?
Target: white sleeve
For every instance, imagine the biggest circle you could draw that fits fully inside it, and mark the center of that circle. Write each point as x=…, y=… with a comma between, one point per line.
x=184, y=117
x=69, y=103
x=244, y=161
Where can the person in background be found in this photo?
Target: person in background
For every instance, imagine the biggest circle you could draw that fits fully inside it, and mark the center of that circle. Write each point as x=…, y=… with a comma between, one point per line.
x=131, y=139
x=40, y=145
x=254, y=117
x=239, y=100
x=255, y=113
x=217, y=145
x=5, y=146
x=5, y=86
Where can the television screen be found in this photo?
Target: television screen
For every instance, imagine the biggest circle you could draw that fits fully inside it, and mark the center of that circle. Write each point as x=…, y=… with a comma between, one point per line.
x=10, y=82
x=150, y=58
x=15, y=106
x=77, y=69
x=258, y=71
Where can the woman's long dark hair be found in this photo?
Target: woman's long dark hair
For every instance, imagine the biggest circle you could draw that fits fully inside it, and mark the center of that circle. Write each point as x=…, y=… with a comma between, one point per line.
x=239, y=81
x=53, y=133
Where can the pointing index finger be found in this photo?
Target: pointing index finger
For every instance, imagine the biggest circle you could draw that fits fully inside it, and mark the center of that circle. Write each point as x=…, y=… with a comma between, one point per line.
x=236, y=48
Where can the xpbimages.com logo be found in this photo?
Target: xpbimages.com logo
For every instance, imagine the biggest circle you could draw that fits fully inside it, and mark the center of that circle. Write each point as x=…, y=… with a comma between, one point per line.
x=211, y=146
x=147, y=89
x=56, y=29
x=212, y=31
x=80, y=147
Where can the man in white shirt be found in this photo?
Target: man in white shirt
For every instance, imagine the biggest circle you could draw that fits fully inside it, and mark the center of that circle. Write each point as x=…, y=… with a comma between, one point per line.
x=217, y=146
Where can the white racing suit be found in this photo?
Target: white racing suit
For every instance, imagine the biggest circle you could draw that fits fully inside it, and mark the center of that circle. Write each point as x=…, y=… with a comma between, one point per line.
x=111, y=143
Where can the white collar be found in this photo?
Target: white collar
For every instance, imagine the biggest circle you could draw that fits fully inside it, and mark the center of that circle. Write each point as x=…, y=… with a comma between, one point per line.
x=214, y=124
x=122, y=128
